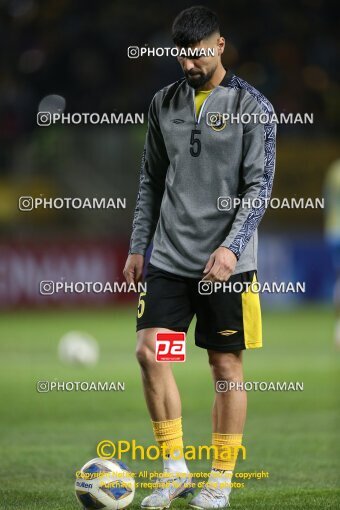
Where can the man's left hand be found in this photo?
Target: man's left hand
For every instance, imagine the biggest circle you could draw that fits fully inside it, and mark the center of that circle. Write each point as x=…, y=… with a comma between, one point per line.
x=220, y=266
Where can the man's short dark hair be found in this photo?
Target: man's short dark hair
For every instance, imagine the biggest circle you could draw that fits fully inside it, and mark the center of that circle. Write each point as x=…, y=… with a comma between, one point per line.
x=194, y=24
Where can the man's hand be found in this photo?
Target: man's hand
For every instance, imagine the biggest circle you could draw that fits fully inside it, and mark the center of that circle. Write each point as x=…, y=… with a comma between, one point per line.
x=220, y=266
x=133, y=270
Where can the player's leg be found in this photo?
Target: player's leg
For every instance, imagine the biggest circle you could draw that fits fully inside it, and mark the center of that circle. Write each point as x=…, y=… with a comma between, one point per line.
x=334, y=247
x=229, y=415
x=228, y=418
x=160, y=388
x=164, y=308
x=227, y=323
x=163, y=400
x=230, y=403
x=164, y=405
x=337, y=310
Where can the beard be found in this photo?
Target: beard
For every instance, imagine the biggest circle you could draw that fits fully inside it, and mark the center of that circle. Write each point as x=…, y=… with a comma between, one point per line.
x=198, y=79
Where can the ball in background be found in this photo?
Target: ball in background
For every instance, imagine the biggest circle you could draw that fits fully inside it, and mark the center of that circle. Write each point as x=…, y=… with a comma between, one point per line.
x=80, y=348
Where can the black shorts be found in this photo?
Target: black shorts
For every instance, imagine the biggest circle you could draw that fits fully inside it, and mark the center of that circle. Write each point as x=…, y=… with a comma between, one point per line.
x=226, y=320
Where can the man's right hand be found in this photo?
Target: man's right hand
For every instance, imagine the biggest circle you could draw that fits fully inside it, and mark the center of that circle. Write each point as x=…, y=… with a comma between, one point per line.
x=133, y=270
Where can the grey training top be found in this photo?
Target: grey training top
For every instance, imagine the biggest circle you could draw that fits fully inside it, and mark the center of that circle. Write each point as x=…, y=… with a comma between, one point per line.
x=188, y=164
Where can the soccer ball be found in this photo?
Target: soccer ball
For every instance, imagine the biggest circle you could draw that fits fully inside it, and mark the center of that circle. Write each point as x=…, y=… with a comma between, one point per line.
x=78, y=348
x=105, y=484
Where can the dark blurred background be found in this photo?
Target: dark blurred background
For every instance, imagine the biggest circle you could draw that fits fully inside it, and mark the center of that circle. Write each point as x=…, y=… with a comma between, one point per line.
x=78, y=51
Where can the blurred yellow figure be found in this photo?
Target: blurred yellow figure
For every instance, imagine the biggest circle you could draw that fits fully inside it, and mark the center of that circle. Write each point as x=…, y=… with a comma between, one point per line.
x=332, y=232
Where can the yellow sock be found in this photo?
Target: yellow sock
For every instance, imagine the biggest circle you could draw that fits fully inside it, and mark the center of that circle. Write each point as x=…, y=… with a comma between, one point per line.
x=225, y=458
x=169, y=433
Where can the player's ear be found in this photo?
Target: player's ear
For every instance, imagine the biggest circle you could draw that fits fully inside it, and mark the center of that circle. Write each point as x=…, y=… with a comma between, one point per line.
x=220, y=45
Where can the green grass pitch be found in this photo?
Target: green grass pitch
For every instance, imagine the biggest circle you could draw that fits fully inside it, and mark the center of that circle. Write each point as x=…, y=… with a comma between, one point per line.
x=46, y=437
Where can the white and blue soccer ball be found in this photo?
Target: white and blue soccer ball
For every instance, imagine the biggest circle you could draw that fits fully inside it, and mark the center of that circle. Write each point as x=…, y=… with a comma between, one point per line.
x=104, y=484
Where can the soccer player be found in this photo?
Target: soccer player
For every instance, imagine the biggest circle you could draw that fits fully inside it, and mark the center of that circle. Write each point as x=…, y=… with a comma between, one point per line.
x=191, y=159
x=332, y=231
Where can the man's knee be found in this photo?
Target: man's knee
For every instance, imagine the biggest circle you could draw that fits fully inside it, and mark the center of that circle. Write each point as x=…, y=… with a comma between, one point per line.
x=145, y=350
x=226, y=366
